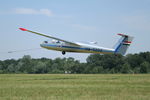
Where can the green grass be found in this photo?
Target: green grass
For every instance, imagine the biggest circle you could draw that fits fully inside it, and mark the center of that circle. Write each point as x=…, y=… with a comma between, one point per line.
x=74, y=87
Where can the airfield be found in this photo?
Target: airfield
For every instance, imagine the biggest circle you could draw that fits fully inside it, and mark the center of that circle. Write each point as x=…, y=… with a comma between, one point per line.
x=74, y=86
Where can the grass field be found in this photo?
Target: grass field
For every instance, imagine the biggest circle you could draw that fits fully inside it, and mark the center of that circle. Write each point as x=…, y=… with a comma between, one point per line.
x=74, y=87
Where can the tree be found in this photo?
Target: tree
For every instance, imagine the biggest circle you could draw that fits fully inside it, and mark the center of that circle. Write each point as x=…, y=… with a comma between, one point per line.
x=126, y=68
x=134, y=60
x=1, y=67
x=70, y=65
x=58, y=65
x=40, y=67
x=109, y=63
x=145, y=67
x=96, y=63
x=25, y=64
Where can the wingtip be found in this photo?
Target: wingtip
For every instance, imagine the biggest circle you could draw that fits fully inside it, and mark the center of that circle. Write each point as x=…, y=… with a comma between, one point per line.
x=23, y=29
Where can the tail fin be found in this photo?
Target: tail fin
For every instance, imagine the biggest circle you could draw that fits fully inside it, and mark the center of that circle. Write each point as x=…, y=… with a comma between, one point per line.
x=123, y=44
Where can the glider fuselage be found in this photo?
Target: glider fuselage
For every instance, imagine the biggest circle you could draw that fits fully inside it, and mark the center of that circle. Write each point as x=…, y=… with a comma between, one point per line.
x=82, y=48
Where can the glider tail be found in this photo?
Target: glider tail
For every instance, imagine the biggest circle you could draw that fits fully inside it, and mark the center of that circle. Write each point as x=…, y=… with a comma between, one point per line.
x=123, y=44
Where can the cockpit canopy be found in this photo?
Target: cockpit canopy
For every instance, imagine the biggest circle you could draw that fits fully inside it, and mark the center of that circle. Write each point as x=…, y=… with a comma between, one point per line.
x=93, y=42
x=53, y=41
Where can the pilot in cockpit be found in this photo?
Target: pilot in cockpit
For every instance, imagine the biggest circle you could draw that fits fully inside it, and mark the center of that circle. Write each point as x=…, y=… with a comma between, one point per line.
x=45, y=41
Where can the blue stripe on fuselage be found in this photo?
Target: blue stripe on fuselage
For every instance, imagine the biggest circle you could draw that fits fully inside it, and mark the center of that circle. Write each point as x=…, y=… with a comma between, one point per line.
x=78, y=48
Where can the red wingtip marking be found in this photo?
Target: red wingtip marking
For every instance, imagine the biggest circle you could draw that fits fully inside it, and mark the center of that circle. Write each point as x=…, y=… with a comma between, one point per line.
x=23, y=29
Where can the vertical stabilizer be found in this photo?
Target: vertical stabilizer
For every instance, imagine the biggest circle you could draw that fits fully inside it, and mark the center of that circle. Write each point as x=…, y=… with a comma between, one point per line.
x=123, y=44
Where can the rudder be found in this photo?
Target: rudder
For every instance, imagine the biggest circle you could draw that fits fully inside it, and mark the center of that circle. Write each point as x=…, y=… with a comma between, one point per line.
x=123, y=44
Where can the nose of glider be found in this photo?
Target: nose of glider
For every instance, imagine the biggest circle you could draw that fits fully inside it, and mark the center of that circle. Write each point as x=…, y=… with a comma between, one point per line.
x=42, y=45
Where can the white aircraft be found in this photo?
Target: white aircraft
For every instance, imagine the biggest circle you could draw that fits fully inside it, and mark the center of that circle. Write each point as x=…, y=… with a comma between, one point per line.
x=67, y=46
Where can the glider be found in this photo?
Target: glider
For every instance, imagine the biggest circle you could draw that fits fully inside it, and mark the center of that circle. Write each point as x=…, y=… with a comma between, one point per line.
x=68, y=46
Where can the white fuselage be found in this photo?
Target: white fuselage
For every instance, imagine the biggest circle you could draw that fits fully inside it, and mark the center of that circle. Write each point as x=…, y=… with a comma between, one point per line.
x=82, y=48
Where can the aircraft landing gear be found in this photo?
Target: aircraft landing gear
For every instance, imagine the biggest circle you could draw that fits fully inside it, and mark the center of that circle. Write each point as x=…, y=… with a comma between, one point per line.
x=63, y=52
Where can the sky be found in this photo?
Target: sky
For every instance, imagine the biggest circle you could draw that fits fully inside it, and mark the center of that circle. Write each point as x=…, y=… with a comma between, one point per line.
x=73, y=20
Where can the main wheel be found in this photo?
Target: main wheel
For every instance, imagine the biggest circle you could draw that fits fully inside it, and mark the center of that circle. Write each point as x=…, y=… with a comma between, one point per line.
x=63, y=52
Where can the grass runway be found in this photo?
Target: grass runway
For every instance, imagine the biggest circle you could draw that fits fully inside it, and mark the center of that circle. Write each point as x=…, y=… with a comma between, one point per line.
x=74, y=86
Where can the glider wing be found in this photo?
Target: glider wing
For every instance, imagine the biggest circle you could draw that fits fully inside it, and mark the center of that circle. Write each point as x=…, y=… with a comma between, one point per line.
x=48, y=36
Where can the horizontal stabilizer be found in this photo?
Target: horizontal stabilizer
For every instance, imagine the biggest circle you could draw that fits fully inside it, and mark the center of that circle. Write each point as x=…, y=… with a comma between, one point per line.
x=122, y=35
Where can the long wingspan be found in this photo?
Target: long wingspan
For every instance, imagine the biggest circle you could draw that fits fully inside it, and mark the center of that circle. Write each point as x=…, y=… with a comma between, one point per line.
x=71, y=43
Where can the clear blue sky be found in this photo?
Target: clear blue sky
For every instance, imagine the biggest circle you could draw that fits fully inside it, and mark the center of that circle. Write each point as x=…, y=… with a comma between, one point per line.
x=73, y=20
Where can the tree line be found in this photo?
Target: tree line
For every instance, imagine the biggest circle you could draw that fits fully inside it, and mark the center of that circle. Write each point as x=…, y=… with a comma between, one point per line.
x=95, y=64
